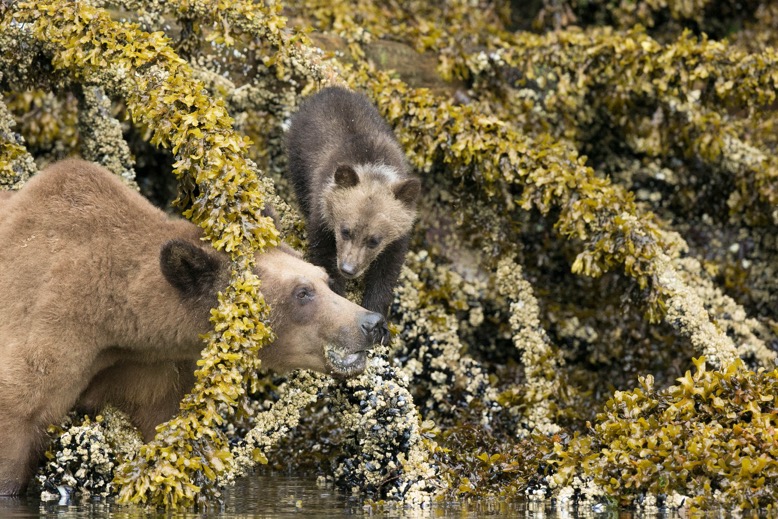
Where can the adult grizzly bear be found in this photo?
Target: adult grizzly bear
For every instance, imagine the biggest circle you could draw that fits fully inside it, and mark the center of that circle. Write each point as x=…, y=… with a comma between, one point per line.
x=354, y=188
x=104, y=299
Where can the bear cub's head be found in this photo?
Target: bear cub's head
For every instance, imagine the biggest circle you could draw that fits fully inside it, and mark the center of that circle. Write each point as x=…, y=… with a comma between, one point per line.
x=368, y=206
x=315, y=328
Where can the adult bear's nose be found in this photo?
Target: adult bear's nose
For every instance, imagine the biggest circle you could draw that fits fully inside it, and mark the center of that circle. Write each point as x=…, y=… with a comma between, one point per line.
x=374, y=327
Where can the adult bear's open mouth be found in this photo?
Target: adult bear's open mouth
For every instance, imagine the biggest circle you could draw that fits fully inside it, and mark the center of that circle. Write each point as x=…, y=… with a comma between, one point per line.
x=345, y=364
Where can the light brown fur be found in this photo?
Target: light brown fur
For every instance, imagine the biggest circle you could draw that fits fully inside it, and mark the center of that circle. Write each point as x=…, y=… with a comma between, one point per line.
x=4, y=196
x=102, y=301
x=367, y=212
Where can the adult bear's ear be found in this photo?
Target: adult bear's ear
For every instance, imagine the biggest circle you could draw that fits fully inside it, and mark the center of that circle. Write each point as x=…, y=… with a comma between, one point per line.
x=191, y=269
x=407, y=191
x=345, y=176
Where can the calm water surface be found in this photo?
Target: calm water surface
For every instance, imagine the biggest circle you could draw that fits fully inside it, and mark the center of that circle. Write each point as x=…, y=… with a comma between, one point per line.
x=270, y=496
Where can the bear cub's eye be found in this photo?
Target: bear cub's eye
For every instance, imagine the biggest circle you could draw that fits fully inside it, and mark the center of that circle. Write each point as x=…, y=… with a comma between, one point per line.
x=345, y=233
x=374, y=241
x=304, y=294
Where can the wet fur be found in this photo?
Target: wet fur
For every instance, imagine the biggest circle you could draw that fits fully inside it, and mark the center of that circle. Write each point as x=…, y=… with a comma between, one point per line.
x=337, y=128
x=104, y=299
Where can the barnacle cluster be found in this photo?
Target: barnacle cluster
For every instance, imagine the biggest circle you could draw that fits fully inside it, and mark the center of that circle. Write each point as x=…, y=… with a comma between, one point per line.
x=81, y=459
x=541, y=361
x=600, y=193
x=84, y=454
x=386, y=455
x=434, y=305
x=271, y=425
x=101, y=135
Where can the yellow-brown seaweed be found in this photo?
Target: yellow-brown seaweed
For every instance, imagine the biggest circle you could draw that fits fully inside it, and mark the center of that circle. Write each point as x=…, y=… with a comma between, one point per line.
x=600, y=206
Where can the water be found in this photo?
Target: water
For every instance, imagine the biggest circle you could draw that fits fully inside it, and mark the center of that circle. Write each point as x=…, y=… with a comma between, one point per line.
x=271, y=496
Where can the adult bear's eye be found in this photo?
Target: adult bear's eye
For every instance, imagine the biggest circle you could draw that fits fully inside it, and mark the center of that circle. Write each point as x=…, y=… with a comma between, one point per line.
x=374, y=241
x=303, y=294
x=345, y=233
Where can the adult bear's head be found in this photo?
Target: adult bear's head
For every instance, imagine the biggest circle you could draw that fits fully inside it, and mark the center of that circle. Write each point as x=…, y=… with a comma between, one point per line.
x=315, y=328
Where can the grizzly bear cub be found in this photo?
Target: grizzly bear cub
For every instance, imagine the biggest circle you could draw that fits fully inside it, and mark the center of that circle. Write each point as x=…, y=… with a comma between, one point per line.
x=105, y=298
x=353, y=186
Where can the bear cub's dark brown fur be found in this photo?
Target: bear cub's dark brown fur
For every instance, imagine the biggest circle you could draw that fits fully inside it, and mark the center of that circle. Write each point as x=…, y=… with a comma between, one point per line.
x=104, y=299
x=354, y=188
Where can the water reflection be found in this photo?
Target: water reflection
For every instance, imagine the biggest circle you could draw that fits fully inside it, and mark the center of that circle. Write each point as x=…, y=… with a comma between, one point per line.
x=271, y=496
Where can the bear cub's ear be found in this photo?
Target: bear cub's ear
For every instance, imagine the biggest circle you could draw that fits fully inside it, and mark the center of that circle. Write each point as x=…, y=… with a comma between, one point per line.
x=345, y=176
x=191, y=269
x=407, y=191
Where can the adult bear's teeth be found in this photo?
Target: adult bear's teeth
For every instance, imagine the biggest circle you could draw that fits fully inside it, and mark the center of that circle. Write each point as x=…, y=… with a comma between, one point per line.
x=351, y=359
x=344, y=361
